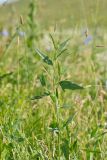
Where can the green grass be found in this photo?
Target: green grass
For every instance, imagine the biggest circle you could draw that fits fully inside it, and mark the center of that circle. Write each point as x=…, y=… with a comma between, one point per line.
x=53, y=93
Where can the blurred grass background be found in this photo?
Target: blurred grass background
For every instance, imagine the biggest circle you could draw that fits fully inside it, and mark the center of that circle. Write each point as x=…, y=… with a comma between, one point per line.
x=66, y=14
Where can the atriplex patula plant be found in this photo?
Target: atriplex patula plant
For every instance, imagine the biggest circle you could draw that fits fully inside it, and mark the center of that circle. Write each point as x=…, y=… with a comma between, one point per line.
x=54, y=86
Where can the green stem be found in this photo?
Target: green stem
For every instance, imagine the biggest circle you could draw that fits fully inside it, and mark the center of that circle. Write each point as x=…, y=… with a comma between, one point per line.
x=58, y=122
x=57, y=108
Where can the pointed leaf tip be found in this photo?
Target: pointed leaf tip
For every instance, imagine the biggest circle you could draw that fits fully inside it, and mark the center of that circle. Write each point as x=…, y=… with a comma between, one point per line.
x=69, y=85
x=44, y=57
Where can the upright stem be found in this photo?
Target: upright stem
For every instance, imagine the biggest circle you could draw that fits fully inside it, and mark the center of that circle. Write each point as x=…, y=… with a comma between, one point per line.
x=58, y=122
x=57, y=110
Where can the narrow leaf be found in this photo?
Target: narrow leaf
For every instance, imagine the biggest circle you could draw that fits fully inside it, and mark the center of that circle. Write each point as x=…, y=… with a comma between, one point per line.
x=53, y=41
x=44, y=57
x=45, y=94
x=48, y=61
x=42, y=80
x=61, y=53
x=40, y=53
x=63, y=44
x=69, y=85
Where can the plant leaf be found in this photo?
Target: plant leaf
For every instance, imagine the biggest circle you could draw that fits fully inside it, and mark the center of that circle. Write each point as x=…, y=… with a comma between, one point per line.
x=62, y=47
x=69, y=85
x=42, y=80
x=45, y=94
x=61, y=53
x=48, y=61
x=63, y=44
x=44, y=57
x=53, y=41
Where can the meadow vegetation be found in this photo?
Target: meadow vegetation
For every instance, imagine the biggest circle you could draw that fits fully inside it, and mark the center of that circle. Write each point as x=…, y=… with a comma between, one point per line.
x=53, y=80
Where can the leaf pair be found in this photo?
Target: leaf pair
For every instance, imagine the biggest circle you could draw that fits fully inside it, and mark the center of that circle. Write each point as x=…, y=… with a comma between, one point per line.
x=64, y=85
x=60, y=48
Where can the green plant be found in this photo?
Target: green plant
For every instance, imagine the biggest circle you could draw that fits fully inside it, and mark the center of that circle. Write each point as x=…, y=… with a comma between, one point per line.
x=54, y=87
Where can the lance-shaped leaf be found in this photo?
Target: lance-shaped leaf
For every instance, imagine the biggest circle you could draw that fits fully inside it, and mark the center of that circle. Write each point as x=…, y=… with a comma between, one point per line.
x=69, y=85
x=62, y=48
x=45, y=94
x=63, y=44
x=44, y=57
x=61, y=53
x=42, y=80
x=48, y=61
x=53, y=41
